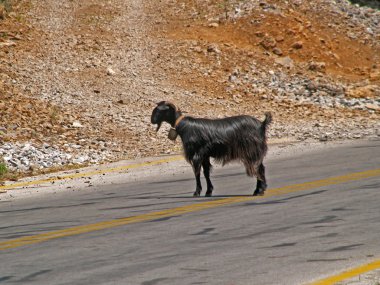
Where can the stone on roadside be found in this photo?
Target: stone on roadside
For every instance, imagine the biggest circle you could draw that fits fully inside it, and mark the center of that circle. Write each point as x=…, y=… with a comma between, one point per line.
x=77, y=124
x=285, y=61
x=197, y=49
x=277, y=51
x=297, y=45
x=372, y=106
x=79, y=160
x=110, y=71
x=213, y=48
x=268, y=43
x=317, y=66
x=7, y=44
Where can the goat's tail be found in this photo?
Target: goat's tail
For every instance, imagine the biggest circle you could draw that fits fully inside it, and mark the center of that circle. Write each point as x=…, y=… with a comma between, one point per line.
x=266, y=122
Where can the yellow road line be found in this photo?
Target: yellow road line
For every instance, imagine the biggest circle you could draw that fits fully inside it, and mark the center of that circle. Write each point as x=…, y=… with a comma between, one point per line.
x=13, y=243
x=95, y=172
x=348, y=274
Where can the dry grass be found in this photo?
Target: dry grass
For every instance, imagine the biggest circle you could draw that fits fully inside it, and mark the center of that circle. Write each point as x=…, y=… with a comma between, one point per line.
x=15, y=175
x=3, y=169
x=7, y=4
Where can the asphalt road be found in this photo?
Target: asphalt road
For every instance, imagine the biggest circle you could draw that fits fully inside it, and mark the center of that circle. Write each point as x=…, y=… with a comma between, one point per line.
x=291, y=238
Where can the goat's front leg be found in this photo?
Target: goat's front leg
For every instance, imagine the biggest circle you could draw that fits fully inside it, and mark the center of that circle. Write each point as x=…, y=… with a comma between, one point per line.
x=206, y=171
x=261, y=185
x=197, y=173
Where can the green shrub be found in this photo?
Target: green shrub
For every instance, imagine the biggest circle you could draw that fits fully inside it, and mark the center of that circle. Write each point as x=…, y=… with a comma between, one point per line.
x=7, y=5
x=3, y=168
x=374, y=4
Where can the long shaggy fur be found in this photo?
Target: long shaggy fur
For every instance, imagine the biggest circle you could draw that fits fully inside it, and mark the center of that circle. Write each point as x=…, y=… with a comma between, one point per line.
x=234, y=138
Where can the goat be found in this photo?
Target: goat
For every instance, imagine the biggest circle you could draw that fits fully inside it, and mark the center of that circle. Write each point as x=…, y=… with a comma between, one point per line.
x=240, y=138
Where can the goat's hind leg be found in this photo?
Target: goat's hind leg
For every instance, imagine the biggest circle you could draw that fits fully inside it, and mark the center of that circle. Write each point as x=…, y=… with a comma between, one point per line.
x=261, y=185
x=206, y=171
x=197, y=172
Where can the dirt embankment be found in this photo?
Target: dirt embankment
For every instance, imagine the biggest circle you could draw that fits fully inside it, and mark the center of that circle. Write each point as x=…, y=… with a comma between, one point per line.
x=78, y=79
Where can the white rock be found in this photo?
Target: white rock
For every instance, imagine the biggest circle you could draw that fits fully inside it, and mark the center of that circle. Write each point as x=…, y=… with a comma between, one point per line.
x=77, y=124
x=213, y=25
x=110, y=71
x=79, y=160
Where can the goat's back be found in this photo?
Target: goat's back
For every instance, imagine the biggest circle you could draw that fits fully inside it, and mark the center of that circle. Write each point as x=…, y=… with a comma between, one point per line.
x=226, y=139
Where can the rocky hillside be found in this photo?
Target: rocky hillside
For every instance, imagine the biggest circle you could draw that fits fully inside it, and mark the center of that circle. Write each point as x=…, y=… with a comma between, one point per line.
x=79, y=79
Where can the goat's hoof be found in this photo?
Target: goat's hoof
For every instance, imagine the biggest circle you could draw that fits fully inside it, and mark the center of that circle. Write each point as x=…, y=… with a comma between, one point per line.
x=259, y=192
x=208, y=194
x=196, y=194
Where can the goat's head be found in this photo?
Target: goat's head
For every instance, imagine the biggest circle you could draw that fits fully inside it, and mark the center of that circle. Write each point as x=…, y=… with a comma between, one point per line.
x=164, y=112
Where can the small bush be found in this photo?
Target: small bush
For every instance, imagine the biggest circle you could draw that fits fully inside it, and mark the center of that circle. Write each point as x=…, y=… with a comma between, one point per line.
x=3, y=169
x=6, y=4
x=374, y=4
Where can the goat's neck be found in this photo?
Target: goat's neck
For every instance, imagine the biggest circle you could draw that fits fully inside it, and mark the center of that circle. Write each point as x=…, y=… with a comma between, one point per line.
x=177, y=115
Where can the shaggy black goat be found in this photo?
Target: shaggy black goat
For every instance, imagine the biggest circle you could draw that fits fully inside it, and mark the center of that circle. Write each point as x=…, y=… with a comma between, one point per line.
x=233, y=138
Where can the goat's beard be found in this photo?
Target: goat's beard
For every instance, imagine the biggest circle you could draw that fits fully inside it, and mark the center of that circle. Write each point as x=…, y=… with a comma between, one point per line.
x=158, y=126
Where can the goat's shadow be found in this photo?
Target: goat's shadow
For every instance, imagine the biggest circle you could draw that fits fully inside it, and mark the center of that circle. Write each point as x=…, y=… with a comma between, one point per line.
x=230, y=196
x=202, y=197
x=190, y=197
x=190, y=179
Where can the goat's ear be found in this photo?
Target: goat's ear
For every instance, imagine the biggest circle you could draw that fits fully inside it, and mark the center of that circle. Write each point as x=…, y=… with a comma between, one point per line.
x=171, y=105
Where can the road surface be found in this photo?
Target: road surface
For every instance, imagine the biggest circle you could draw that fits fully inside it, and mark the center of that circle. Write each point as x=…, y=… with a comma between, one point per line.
x=293, y=235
